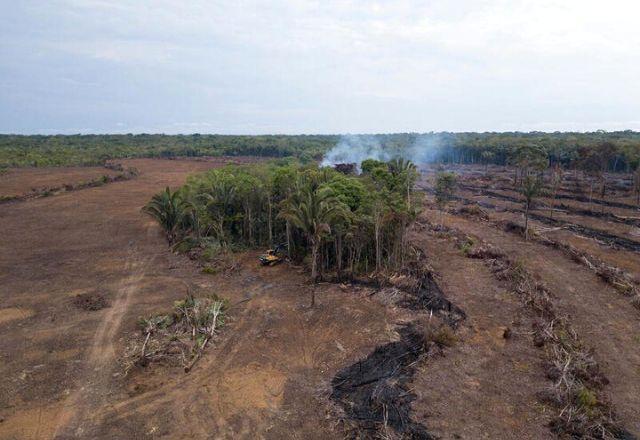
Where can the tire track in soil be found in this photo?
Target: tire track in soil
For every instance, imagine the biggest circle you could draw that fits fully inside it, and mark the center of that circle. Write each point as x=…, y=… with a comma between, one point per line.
x=86, y=400
x=183, y=396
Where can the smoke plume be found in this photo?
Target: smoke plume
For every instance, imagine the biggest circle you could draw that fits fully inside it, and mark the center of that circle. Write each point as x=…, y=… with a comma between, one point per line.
x=355, y=149
x=420, y=149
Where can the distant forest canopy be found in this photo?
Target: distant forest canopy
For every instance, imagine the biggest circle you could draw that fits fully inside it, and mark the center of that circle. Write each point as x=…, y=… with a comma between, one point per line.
x=566, y=148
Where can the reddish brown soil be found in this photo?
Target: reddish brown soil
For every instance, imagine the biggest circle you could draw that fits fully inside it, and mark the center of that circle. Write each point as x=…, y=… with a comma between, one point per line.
x=19, y=181
x=627, y=260
x=484, y=373
x=267, y=374
x=605, y=320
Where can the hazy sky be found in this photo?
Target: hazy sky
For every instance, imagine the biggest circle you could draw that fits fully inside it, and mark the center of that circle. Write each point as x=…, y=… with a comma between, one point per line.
x=245, y=67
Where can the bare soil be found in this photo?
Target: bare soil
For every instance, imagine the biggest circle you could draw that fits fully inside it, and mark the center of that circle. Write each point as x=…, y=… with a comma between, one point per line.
x=605, y=320
x=266, y=376
x=271, y=371
x=20, y=181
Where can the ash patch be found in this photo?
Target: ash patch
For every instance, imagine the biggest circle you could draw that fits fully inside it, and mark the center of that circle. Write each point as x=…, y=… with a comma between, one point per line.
x=429, y=296
x=422, y=293
x=374, y=393
x=90, y=301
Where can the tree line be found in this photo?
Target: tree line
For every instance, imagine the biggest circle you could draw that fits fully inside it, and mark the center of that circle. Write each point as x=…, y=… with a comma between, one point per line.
x=567, y=149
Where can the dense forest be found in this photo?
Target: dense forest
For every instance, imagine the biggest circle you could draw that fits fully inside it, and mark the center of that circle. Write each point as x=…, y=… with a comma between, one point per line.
x=565, y=148
x=61, y=150
x=344, y=224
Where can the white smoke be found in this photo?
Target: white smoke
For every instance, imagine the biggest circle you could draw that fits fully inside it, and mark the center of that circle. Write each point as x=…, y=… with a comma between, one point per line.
x=355, y=149
x=420, y=149
x=425, y=149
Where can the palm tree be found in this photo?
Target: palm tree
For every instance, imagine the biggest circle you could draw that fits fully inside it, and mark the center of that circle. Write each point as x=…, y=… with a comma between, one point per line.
x=168, y=209
x=218, y=200
x=313, y=209
x=404, y=168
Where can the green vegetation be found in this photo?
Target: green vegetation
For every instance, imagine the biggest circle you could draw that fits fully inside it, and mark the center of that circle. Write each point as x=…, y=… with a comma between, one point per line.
x=568, y=149
x=61, y=150
x=530, y=188
x=445, y=188
x=342, y=224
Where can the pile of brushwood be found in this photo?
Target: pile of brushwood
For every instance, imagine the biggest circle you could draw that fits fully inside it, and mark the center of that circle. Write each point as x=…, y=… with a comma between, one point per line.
x=340, y=225
x=177, y=338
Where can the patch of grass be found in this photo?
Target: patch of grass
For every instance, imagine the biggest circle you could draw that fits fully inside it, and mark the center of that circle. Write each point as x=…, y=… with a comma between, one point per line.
x=210, y=270
x=211, y=252
x=185, y=245
x=443, y=336
x=586, y=398
x=466, y=247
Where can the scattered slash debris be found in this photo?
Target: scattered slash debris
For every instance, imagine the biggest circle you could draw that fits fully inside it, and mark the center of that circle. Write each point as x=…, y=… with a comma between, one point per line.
x=423, y=292
x=610, y=239
x=583, y=410
x=472, y=210
x=90, y=301
x=616, y=277
x=177, y=338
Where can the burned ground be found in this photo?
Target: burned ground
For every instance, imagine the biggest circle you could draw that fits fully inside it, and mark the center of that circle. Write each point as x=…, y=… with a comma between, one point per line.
x=605, y=320
x=375, y=392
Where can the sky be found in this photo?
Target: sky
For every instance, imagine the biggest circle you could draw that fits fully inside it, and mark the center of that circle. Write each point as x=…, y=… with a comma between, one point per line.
x=326, y=66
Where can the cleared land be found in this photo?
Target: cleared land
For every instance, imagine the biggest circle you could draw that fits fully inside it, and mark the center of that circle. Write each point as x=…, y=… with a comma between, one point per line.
x=21, y=181
x=269, y=373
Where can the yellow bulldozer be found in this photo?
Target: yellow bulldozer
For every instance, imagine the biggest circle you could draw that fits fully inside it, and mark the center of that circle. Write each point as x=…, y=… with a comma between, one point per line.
x=274, y=256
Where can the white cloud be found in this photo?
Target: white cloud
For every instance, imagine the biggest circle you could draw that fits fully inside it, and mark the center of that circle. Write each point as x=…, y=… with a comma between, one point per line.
x=325, y=65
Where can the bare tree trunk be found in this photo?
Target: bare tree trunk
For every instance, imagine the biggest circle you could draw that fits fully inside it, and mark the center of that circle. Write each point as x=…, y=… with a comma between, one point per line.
x=250, y=226
x=378, y=252
x=314, y=260
x=288, y=231
x=339, y=256
x=603, y=191
x=526, y=222
x=269, y=226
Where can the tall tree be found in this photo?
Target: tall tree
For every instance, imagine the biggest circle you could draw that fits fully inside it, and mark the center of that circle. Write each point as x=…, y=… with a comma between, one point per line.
x=312, y=209
x=530, y=189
